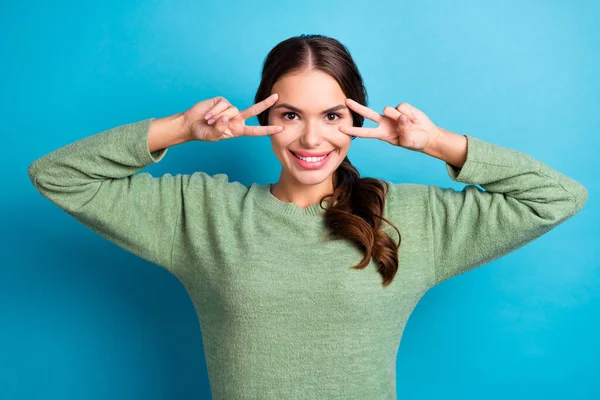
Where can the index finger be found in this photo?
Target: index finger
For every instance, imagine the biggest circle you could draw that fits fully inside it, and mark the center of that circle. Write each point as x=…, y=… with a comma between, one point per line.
x=259, y=107
x=364, y=111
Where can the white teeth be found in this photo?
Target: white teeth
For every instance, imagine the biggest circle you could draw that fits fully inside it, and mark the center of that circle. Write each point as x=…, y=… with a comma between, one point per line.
x=310, y=159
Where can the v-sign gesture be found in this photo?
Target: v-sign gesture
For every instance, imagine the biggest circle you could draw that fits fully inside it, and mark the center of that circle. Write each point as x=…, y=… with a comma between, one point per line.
x=215, y=119
x=403, y=126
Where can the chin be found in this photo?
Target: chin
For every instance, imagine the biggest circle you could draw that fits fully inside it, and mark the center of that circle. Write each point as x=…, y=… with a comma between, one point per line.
x=311, y=180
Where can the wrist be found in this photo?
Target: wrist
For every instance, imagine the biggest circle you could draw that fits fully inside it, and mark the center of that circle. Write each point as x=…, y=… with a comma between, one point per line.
x=435, y=142
x=168, y=131
x=447, y=146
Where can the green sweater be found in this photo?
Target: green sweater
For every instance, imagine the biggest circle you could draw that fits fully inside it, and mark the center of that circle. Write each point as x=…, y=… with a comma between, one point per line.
x=281, y=313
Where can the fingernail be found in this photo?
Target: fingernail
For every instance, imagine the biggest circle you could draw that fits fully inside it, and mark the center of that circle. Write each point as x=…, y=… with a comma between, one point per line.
x=211, y=121
x=207, y=116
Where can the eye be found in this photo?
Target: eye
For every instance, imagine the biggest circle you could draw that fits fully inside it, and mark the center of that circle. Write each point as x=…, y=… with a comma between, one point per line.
x=336, y=114
x=287, y=113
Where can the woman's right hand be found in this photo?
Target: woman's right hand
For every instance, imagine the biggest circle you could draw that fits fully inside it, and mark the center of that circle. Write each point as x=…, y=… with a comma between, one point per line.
x=215, y=119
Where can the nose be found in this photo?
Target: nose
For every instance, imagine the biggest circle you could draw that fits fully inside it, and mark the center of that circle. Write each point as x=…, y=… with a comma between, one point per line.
x=311, y=135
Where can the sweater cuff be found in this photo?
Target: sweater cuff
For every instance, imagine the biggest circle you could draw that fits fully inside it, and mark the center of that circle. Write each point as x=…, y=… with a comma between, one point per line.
x=457, y=173
x=479, y=150
x=141, y=140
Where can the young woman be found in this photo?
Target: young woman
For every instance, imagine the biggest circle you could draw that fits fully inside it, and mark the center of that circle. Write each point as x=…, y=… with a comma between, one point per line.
x=303, y=287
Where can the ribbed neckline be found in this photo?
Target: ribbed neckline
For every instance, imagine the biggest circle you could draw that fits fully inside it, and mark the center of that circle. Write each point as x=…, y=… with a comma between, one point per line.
x=268, y=200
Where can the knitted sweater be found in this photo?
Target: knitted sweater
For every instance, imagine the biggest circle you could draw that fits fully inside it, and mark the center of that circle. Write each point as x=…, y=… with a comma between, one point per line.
x=282, y=314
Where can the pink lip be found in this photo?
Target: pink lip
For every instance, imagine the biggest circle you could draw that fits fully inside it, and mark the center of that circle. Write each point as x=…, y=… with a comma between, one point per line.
x=309, y=154
x=313, y=165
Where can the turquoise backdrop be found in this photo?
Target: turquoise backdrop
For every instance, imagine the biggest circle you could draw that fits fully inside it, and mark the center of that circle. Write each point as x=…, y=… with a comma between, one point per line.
x=81, y=318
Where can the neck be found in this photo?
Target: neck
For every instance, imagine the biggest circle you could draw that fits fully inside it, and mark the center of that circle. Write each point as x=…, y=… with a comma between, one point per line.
x=303, y=195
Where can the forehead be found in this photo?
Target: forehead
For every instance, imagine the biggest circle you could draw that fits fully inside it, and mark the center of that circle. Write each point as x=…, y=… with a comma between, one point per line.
x=309, y=90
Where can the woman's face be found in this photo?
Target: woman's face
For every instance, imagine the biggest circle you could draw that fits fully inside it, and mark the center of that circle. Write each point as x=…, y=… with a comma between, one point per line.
x=310, y=107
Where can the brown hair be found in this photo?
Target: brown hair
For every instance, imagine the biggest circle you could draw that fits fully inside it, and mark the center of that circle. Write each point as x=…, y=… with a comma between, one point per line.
x=357, y=203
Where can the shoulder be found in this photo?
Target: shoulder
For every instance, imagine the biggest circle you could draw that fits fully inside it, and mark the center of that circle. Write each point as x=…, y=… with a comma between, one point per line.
x=215, y=186
x=406, y=194
x=406, y=205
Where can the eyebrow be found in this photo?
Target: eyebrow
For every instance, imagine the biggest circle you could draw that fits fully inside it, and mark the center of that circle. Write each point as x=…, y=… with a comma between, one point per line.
x=329, y=110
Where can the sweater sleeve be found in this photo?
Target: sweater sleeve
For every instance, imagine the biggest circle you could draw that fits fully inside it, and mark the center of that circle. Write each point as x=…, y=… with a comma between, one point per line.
x=523, y=199
x=94, y=180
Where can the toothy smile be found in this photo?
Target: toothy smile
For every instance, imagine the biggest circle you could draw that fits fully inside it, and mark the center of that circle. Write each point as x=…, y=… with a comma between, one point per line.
x=310, y=159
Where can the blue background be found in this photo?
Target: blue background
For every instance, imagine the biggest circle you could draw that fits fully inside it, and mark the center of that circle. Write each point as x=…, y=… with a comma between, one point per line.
x=82, y=318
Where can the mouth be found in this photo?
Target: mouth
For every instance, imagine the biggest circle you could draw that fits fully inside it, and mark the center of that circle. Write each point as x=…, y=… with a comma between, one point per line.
x=310, y=163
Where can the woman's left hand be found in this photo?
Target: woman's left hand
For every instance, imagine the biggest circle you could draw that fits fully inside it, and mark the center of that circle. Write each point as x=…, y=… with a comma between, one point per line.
x=403, y=126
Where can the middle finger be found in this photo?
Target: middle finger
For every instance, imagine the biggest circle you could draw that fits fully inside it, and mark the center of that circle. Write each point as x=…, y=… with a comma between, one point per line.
x=218, y=108
x=391, y=112
x=231, y=112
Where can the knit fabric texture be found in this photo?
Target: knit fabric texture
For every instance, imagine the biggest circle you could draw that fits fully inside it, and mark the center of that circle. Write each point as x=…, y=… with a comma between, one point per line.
x=282, y=314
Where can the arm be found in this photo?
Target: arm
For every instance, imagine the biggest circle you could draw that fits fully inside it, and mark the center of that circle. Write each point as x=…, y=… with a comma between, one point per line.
x=94, y=181
x=523, y=199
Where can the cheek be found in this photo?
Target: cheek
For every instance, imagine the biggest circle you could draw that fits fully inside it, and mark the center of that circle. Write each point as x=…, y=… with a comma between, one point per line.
x=279, y=146
x=282, y=139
